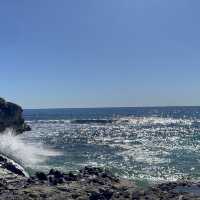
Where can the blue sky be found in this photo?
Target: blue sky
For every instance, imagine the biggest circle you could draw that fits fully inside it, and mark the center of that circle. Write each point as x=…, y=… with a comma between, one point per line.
x=91, y=53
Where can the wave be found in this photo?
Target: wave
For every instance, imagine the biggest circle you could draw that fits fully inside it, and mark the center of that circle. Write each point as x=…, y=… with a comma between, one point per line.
x=75, y=121
x=28, y=155
x=64, y=121
x=154, y=121
x=92, y=121
x=123, y=120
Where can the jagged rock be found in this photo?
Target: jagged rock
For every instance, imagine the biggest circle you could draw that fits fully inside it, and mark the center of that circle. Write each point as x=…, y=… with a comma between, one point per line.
x=11, y=117
x=54, y=186
x=47, y=186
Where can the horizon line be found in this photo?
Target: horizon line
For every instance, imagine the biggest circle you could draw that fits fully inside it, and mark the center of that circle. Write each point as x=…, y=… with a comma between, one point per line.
x=105, y=107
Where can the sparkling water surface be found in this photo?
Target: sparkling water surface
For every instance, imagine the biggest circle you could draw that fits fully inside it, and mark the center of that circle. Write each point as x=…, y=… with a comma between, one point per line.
x=152, y=144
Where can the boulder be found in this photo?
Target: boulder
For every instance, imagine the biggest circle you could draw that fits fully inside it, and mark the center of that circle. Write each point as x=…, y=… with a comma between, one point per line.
x=11, y=117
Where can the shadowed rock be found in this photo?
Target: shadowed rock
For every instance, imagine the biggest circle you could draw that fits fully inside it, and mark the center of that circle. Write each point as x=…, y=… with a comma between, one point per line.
x=11, y=117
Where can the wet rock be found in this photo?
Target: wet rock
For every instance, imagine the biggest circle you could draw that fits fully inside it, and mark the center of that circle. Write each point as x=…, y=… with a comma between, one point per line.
x=11, y=167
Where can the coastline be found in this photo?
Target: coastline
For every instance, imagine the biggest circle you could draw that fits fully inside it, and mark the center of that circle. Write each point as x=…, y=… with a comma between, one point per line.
x=89, y=183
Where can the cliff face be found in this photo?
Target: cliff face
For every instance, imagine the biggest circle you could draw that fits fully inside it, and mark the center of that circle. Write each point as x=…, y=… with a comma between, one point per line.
x=11, y=117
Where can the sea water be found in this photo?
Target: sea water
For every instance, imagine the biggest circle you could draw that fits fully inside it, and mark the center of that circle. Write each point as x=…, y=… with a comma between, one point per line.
x=149, y=144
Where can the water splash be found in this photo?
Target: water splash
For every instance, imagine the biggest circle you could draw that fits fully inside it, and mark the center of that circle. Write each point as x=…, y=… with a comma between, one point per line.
x=28, y=155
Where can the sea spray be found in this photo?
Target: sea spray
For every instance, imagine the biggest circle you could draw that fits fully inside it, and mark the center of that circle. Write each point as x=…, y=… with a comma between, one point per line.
x=28, y=155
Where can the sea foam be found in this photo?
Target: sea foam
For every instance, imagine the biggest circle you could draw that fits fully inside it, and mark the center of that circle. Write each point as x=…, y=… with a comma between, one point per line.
x=28, y=155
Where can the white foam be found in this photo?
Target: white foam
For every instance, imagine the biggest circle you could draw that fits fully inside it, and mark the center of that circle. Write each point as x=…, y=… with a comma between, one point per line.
x=29, y=155
x=154, y=121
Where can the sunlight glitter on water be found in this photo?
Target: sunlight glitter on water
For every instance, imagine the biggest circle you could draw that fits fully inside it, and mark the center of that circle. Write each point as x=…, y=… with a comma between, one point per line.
x=151, y=148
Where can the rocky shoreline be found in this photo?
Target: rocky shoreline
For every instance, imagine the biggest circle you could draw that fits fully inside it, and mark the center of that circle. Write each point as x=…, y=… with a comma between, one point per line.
x=90, y=183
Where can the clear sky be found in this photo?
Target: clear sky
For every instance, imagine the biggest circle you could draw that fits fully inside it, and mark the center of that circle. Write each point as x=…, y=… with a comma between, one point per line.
x=94, y=53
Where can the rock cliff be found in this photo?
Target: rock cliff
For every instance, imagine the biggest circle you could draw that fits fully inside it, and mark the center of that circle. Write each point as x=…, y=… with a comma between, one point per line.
x=11, y=117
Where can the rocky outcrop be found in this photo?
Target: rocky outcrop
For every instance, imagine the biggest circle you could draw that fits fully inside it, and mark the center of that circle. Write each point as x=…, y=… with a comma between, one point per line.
x=90, y=183
x=11, y=117
x=87, y=184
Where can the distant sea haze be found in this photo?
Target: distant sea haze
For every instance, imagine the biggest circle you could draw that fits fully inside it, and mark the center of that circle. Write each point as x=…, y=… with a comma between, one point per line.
x=147, y=144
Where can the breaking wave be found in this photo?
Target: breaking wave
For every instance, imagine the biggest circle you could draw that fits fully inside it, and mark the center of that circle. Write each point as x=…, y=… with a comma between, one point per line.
x=26, y=154
x=154, y=121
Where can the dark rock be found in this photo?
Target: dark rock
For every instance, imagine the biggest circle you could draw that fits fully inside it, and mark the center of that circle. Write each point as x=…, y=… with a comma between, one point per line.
x=11, y=117
x=93, y=184
x=107, y=193
x=55, y=177
x=91, y=171
x=41, y=176
x=136, y=195
x=75, y=196
x=56, y=173
x=126, y=194
x=11, y=167
x=109, y=175
x=70, y=177
x=2, y=159
x=97, y=180
x=30, y=180
x=96, y=196
x=51, y=172
x=51, y=179
x=60, y=180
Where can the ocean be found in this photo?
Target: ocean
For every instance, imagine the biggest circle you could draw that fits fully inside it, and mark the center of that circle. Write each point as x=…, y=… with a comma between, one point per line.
x=144, y=144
